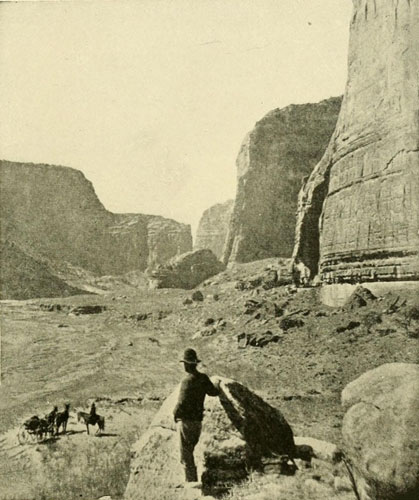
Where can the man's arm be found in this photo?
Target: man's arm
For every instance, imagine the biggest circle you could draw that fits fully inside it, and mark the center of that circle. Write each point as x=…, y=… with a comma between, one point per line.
x=213, y=388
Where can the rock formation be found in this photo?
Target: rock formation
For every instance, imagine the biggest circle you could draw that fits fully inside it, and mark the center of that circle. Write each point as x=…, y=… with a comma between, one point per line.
x=274, y=158
x=186, y=270
x=239, y=429
x=213, y=228
x=381, y=431
x=53, y=213
x=23, y=277
x=358, y=215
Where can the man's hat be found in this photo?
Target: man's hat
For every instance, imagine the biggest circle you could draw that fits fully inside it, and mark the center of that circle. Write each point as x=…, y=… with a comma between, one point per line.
x=190, y=356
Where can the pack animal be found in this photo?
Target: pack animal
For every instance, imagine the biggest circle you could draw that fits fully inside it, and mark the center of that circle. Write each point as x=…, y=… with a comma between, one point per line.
x=61, y=419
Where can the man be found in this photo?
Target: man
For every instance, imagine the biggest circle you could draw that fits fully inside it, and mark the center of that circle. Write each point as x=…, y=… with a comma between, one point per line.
x=189, y=410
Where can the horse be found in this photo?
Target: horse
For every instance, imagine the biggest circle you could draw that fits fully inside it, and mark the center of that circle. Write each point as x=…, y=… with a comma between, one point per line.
x=89, y=419
x=62, y=418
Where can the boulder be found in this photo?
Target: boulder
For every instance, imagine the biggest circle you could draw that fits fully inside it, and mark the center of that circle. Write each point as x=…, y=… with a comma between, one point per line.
x=186, y=271
x=360, y=297
x=257, y=339
x=197, y=296
x=275, y=157
x=213, y=228
x=358, y=212
x=381, y=431
x=239, y=430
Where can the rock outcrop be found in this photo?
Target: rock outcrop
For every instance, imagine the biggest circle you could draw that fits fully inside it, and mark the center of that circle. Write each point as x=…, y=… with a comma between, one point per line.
x=186, y=271
x=381, y=432
x=274, y=158
x=358, y=215
x=54, y=212
x=239, y=429
x=213, y=228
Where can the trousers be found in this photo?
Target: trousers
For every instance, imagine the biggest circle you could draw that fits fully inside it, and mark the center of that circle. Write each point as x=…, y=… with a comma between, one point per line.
x=189, y=432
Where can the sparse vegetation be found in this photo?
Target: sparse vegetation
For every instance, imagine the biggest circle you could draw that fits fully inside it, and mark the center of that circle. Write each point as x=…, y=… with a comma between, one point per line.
x=110, y=358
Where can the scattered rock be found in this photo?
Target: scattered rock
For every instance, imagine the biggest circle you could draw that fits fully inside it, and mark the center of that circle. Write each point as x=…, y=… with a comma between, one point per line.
x=360, y=297
x=349, y=326
x=197, y=296
x=187, y=301
x=88, y=309
x=381, y=431
x=257, y=339
x=291, y=322
x=140, y=316
x=209, y=321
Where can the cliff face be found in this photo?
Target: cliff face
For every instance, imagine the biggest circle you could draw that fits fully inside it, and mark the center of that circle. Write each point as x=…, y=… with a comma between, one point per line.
x=54, y=212
x=358, y=213
x=273, y=160
x=213, y=228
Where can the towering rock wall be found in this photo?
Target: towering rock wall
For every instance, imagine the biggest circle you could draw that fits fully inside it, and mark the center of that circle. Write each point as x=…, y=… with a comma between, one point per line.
x=213, y=228
x=54, y=212
x=358, y=214
x=274, y=158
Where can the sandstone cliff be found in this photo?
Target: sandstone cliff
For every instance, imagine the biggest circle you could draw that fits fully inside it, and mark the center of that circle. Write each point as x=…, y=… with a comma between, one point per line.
x=213, y=228
x=358, y=214
x=55, y=212
x=273, y=160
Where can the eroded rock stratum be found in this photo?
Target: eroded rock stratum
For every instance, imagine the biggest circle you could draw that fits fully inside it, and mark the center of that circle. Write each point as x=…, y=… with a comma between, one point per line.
x=358, y=215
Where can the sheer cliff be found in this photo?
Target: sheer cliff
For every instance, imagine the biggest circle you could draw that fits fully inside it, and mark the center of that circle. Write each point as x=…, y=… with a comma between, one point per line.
x=273, y=160
x=358, y=215
x=213, y=228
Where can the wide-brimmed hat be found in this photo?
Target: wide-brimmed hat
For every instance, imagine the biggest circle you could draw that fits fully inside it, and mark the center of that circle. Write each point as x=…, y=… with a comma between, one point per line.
x=190, y=356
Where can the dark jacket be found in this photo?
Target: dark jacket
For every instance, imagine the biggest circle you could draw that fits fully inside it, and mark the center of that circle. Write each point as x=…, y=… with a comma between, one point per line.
x=193, y=389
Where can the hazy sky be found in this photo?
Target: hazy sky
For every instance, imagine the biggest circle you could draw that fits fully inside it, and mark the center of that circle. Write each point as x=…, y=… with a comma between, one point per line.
x=152, y=99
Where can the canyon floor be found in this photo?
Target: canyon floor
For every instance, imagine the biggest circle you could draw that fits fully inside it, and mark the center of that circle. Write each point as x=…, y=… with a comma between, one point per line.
x=126, y=358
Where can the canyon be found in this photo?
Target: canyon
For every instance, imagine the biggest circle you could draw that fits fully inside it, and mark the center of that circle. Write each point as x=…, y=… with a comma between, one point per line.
x=52, y=215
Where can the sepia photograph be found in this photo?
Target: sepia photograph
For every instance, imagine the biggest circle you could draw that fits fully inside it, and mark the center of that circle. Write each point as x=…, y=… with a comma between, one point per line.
x=209, y=266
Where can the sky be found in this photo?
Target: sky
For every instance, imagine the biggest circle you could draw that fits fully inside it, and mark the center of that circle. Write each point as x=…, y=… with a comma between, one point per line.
x=151, y=99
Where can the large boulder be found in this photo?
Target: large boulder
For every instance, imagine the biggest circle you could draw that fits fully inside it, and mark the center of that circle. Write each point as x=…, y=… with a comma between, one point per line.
x=213, y=228
x=381, y=431
x=358, y=214
x=239, y=430
x=186, y=271
x=275, y=157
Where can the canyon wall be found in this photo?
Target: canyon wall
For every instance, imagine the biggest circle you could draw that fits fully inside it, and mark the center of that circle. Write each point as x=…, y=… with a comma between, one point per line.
x=53, y=213
x=274, y=158
x=213, y=228
x=358, y=215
